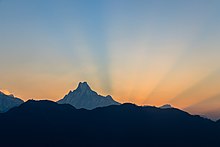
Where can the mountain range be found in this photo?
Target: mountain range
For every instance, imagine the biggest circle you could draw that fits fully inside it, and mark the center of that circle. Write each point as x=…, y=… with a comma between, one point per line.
x=101, y=122
x=82, y=97
x=48, y=124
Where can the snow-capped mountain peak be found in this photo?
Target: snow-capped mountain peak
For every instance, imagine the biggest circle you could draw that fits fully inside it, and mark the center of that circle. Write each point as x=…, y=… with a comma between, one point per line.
x=85, y=97
x=83, y=86
x=8, y=101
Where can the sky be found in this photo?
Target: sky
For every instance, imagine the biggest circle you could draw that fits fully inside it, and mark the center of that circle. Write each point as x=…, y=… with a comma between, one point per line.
x=148, y=52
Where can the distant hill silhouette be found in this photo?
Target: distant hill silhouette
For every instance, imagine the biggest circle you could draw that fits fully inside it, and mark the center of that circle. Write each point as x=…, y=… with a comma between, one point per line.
x=85, y=97
x=46, y=123
x=166, y=106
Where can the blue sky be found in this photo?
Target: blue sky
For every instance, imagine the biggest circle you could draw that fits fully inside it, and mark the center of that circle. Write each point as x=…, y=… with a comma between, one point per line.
x=146, y=51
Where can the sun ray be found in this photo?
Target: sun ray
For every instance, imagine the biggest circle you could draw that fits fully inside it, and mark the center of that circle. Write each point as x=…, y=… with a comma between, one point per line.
x=200, y=91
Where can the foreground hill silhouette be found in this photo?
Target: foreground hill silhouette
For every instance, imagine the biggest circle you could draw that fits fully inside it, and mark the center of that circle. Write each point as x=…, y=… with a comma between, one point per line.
x=46, y=123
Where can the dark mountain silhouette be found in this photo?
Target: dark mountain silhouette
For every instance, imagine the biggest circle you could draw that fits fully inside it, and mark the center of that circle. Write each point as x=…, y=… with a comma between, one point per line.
x=8, y=101
x=45, y=123
x=85, y=97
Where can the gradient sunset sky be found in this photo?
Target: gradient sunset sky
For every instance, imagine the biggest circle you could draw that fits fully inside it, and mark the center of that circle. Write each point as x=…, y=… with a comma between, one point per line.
x=148, y=52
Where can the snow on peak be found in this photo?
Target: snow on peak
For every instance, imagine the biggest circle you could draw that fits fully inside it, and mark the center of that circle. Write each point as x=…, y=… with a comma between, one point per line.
x=83, y=86
x=8, y=101
x=85, y=97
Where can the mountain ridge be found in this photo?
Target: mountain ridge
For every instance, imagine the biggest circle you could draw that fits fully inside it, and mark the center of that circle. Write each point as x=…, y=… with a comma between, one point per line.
x=116, y=125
